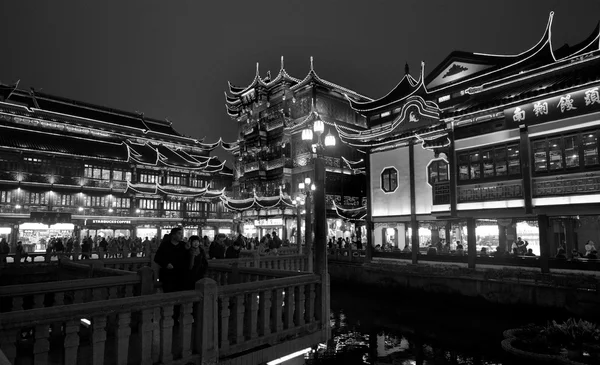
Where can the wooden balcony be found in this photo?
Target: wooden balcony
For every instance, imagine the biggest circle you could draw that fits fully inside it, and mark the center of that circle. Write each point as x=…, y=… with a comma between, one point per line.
x=505, y=190
x=572, y=184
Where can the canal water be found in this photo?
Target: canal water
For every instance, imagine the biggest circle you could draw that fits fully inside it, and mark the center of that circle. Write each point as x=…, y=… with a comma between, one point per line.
x=378, y=327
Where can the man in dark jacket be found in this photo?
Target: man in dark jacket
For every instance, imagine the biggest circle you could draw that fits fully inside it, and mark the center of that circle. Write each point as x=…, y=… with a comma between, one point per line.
x=233, y=251
x=173, y=258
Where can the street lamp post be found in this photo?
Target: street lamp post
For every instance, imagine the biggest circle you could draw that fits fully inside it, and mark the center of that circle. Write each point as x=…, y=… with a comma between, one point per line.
x=320, y=264
x=306, y=187
x=298, y=202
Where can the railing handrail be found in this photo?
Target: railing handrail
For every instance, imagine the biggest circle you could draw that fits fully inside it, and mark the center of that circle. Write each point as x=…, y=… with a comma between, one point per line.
x=279, y=283
x=49, y=315
x=68, y=285
x=255, y=270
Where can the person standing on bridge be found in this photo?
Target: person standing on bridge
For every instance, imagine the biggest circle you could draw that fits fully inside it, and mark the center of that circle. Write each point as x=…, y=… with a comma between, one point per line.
x=174, y=259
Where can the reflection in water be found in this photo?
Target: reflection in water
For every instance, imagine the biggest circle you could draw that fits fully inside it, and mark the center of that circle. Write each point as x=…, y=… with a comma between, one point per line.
x=417, y=329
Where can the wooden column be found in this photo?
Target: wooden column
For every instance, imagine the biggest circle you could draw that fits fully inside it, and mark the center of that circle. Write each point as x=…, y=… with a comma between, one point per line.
x=525, y=167
x=414, y=224
x=369, y=219
x=452, y=170
x=543, y=226
x=471, y=242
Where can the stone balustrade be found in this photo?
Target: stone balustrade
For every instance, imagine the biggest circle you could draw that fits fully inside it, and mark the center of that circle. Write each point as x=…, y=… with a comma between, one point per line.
x=232, y=273
x=275, y=262
x=208, y=325
x=120, y=284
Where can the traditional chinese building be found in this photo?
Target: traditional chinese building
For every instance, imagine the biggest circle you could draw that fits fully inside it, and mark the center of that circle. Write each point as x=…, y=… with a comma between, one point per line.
x=72, y=168
x=488, y=148
x=271, y=158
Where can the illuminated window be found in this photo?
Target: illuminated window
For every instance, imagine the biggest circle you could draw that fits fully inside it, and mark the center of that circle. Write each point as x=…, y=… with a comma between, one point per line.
x=96, y=201
x=389, y=179
x=443, y=98
x=64, y=200
x=437, y=171
x=96, y=172
x=149, y=177
x=177, y=179
x=121, y=203
x=6, y=196
x=120, y=175
x=172, y=205
x=557, y=154
x=148, y=204
x=489, y=163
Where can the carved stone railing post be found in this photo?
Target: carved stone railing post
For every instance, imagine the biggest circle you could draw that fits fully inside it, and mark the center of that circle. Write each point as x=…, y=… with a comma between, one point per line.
x=71, y=342
x=299, y=299
x=309, y=314
x=145, y=329
x=98, y=339
x=41, y=346
x=288, y=308
x=264, y=313
x=166, y=332
x=185, y=329
x=276, y=308
x=238, y=318
x=146, y=275
x=207, y=330
x=224, y=318
x=251, y=316
x=234, y=276
x=123, y=333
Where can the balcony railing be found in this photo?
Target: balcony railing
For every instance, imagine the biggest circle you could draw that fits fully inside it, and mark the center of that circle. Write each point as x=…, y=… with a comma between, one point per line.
x=490, y=191
x=441, y=193
x=581, y=183
x=252, y=166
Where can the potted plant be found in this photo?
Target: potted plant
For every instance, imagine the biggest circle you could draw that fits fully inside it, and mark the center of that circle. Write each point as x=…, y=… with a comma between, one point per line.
x=571, y=342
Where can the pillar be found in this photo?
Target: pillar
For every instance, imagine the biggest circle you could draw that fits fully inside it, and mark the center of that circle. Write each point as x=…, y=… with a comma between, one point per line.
x=471, y=242
x=298, y=230
x=511, y=235
x=501, y=238
x=435, y=235
x=544, y=228
x=206, y=341
x=308, y=231
x=320, y=265
x=401, y=228
x=570, y=235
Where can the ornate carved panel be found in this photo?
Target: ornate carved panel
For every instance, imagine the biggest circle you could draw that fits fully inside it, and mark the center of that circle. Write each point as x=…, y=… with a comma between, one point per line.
x=496, y=191
x=566, y=185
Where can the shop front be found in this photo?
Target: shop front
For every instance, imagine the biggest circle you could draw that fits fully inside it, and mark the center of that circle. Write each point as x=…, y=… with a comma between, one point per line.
x=147, y=231
x=35, y=236
x=106, y=228
x=268, y=226
x=5, y=233
x=210, y=232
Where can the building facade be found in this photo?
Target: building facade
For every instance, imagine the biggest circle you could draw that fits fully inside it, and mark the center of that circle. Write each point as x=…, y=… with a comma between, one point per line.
x=271, y=158
x=69, y=168
x=486, y=149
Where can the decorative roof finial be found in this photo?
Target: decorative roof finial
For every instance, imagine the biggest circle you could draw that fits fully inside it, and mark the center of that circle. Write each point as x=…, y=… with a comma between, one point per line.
x=281, y=62
x=257, y=72
x=311, y=64
x=406, y=69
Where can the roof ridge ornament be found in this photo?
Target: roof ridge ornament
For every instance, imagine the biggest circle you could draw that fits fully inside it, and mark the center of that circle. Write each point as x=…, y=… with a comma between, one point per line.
x=281, y=68
x=406, y=69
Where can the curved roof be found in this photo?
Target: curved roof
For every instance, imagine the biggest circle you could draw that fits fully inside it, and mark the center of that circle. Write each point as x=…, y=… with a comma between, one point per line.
x=45, y=142
x=157, y=189
x=405, y=88
x=462, y=66
x=256, y=202
x=351, y=214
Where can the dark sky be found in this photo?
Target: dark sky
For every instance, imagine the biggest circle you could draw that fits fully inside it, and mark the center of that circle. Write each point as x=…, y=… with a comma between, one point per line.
x=173, y=58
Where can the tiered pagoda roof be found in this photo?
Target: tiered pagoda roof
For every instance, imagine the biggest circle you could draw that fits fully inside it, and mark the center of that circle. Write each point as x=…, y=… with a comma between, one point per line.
x=238, y=97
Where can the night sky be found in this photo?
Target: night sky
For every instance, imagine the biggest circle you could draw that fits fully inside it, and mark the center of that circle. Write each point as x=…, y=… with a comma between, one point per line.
x=173, y=58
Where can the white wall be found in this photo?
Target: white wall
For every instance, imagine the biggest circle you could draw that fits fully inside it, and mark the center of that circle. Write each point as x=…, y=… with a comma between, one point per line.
x=423, y=192
x=396, y=203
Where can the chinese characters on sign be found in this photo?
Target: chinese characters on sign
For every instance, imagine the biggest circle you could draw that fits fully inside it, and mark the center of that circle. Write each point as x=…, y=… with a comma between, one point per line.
x=579, y=102
x=50, y=218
